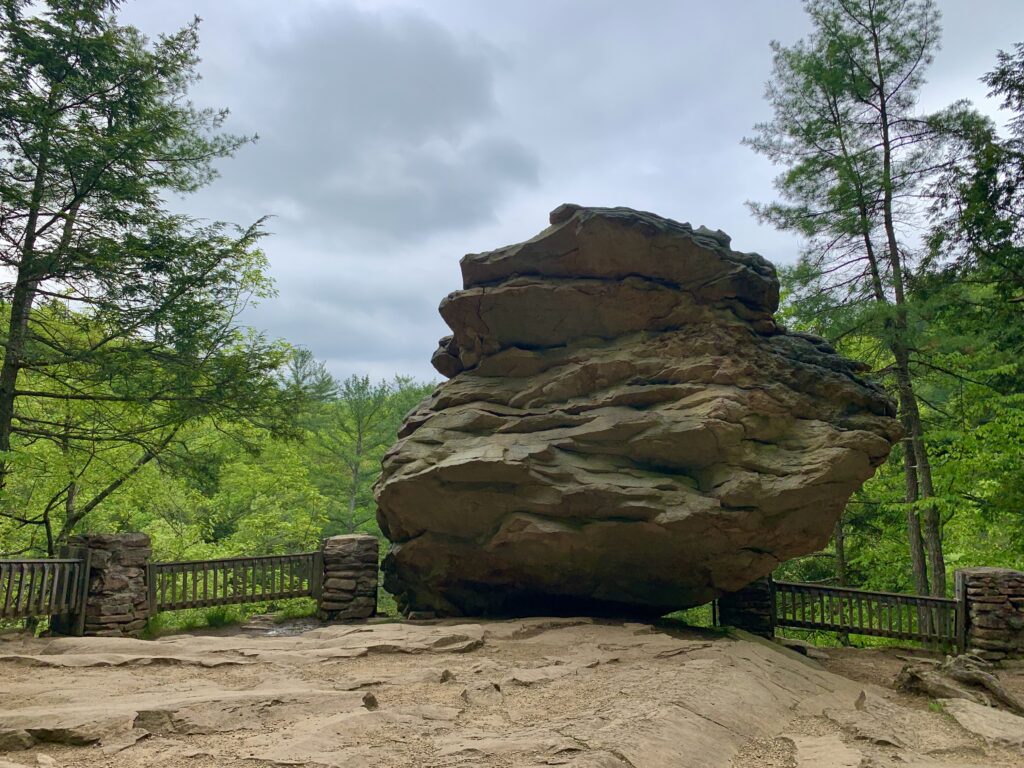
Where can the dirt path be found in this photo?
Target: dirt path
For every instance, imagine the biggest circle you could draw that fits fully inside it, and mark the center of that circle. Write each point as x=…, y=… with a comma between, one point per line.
x=537, y=692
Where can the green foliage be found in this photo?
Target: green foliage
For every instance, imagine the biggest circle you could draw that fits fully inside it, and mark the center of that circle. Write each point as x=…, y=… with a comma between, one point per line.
x=698, y=616
x=131, y=398
x=970, y=389
x=864, y=174
x=348, y=435
x=119, y=318
x=824, y=639
x=172, y=622
x=237, y=489
x=218, y=617
x=386, y=605
x=267, y=503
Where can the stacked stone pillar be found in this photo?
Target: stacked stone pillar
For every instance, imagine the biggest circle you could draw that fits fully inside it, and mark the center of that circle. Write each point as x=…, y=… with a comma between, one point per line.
x=117, y=603
x=992, y=600
x=751, y=608
x=349, y=589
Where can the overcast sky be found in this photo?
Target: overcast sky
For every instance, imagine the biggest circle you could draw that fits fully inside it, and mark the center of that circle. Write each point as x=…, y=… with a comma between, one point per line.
x=398, y=135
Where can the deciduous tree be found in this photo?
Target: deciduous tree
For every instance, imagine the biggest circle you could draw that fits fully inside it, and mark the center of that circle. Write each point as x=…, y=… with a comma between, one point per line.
x=120, y=318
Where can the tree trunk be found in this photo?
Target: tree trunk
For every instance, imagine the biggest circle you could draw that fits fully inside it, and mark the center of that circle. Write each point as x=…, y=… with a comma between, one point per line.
x=17, y=333
x=936, y=557
x=899, y=344
x=908, y=405
x=51, y=547
x=21, y=304
x=70, y=507
x=917, y=552
x=932, y=525
x=840, y=539
x=353, y=493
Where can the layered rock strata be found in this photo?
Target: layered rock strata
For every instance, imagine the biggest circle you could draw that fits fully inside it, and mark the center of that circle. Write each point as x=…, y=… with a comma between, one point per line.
x=625, y=428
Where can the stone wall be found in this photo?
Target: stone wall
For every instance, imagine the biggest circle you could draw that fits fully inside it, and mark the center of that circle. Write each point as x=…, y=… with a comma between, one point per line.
x=751, y=609
x=995, y=612
x=117, y=604
x=350, y=577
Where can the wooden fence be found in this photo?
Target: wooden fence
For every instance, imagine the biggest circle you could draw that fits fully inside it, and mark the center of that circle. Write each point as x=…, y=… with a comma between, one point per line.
x=59, y=588
x=44, y=588
x=928, y=620
x=227, y=581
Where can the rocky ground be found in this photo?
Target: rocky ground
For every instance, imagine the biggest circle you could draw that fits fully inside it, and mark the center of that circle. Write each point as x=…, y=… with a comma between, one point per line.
x=535, y=692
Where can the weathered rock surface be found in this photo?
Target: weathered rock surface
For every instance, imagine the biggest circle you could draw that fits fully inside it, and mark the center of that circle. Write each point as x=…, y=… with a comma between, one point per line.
x=626, y=428
x=530, y=692
x=993, y=725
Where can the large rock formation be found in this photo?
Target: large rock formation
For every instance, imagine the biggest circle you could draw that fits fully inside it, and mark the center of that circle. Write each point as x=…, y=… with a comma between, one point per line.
x=626, y=428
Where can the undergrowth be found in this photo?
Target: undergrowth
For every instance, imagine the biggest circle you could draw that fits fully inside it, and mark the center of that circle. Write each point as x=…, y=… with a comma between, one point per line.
x=190, y=619
x=700, y=616
x=386, y=605
x=825, y=639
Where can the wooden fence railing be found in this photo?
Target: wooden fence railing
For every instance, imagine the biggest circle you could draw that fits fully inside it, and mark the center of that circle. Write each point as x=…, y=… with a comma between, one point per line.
x=205, y=583
x=59, y=588
x=43, y=587
x=928, y=620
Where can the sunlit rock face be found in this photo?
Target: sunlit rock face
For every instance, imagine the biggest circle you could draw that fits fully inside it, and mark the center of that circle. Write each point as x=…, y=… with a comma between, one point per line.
x=625, y=428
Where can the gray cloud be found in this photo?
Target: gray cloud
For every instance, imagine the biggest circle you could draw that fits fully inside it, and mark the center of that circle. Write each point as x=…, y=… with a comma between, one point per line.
x=397, y=135
x=380, y=124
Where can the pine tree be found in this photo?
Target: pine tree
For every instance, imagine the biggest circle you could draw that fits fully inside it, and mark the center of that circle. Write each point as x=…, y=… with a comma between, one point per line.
x=858, y=160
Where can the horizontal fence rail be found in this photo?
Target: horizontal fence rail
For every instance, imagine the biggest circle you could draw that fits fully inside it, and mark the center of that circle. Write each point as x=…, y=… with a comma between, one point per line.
x=41, y=588
x=928, y=620
x=228, y=581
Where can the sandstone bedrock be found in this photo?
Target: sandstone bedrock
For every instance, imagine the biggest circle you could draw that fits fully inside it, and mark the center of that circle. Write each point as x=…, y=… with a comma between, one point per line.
x=625, y=428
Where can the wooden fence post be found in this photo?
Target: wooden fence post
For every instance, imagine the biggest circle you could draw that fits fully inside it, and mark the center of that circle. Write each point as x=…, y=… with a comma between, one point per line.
x=78, y=625
x=316, y=578
x=962, y=610
x=150, y=591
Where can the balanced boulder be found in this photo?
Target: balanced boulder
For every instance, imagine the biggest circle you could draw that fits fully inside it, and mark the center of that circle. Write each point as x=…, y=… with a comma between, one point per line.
x=625, y=428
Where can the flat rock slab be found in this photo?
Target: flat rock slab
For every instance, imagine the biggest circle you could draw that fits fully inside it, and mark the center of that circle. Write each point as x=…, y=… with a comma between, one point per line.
x=825, y=752
x=991, y=724
x=114, y=660
x=531, y=692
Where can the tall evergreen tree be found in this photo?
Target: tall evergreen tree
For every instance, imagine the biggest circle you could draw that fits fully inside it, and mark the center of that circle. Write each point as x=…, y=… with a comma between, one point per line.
x=350, y=435
x=858, y=160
